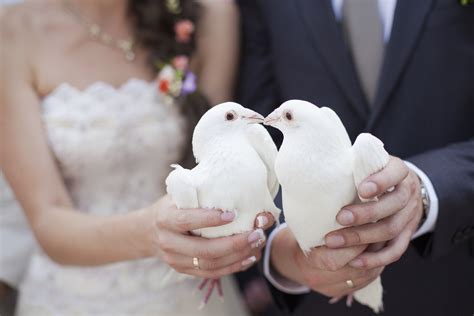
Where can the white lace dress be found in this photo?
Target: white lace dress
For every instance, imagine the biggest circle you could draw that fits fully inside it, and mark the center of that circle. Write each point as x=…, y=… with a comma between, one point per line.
x=114, y=147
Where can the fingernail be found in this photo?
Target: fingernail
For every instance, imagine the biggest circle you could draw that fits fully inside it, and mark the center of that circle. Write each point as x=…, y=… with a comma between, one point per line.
x=259, y=243
x=367, y=189
x=256, y=235
x=334, y=241
x=345, y=217
x=249, y=261
x=356, y=263
x=262, y=221
x=228, y=216
x=334, y=300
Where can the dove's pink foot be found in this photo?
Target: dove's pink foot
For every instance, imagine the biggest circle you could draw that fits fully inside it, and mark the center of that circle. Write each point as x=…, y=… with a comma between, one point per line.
x=213, y=284
x=334, y=300
x=219, y=289
x=203, y=284
x=349, y=300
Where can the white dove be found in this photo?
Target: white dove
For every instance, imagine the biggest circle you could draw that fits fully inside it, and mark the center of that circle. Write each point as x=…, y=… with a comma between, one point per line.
x=319, y=172
x=235, y=157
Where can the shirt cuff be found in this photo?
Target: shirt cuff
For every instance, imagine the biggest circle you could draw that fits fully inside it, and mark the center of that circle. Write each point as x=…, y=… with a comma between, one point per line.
x=430, y=221
x=278, y=281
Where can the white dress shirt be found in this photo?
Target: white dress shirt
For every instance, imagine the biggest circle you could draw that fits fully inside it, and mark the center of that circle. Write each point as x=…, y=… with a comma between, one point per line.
x=386, y=12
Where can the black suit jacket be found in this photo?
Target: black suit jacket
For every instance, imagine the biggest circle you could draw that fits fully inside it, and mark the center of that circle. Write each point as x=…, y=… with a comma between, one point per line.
x=423, y=112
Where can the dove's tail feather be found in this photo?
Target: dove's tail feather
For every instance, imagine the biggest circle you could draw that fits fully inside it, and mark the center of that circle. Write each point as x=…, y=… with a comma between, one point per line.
x=371, y=295
x=179, y=184
x=369, y=157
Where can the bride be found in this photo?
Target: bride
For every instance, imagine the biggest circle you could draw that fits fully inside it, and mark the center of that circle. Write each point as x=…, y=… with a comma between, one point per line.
x=86, y=139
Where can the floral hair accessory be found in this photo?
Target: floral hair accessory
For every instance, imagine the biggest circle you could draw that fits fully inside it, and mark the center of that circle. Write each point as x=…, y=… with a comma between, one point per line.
x=180, y=62
x=183, y=30
x=189, y=83
x=175, y=80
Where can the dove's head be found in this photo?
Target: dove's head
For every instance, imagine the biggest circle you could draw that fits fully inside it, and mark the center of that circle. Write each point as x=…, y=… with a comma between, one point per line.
x=295, y=116
x=224, y=121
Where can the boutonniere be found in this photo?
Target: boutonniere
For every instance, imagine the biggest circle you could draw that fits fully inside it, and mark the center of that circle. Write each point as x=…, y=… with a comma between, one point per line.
x=465, y=2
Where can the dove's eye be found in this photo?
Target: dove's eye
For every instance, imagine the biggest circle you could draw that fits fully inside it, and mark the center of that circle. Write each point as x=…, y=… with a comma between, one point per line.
x=288, y=116
x=230, y=116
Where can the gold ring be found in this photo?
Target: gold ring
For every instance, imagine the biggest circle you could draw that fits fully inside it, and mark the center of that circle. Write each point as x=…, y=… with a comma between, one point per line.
x=196, y=263
x=350, y=284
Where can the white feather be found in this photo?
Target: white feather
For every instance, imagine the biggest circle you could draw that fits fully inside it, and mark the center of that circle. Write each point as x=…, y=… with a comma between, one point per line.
x=263, y=144
x=179, y=185
x=233, y=171
x=318, y=170
x=369, y=157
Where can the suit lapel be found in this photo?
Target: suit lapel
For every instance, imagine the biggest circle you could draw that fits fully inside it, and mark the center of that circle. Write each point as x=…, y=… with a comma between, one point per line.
x=328, y=41
x=408, y=20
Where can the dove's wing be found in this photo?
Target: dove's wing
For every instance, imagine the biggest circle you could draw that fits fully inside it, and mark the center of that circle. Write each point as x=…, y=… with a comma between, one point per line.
x=369, y=157
x=180, y=185
x=263, y=144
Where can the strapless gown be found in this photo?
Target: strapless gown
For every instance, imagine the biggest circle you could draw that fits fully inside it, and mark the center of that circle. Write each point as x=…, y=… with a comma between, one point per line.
x=114, y=147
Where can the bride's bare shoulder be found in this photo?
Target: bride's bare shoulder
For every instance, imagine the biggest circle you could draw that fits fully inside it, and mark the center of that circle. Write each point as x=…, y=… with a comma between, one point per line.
x=27, y=19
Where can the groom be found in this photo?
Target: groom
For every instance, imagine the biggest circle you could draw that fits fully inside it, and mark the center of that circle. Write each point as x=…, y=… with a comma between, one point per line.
x=403, y=71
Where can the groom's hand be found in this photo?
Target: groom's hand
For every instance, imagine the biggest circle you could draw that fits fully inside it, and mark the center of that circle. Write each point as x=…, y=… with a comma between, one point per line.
x=392, y=219
x=324, y=270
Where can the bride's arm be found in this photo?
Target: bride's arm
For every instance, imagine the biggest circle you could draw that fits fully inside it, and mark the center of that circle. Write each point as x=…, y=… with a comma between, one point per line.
x=66, y=235
x=217, y=54
x=72, y=237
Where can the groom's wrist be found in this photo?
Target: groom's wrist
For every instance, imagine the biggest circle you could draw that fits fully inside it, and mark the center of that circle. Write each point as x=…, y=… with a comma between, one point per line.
x=279, y=263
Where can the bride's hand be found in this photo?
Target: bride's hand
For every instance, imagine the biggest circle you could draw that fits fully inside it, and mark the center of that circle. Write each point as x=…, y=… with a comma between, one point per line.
x=217, y=257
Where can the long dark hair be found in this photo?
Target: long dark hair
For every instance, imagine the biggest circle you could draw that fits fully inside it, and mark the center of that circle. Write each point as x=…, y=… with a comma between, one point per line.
x=154, y=22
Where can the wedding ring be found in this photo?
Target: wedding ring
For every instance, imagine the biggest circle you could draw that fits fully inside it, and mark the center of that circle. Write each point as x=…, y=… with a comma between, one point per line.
x=196, y=263
x=350, y=284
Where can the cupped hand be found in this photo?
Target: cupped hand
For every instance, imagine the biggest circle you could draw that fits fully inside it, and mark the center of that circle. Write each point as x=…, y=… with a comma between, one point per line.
x=324, y=270
x=392, y=219
x=218, y=256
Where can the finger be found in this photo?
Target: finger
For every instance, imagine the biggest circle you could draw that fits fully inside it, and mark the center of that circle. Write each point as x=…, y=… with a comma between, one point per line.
x=183, y=220
x=231, y=269
x=324, y=258
x=194, y=246
x=361, y=282
x=339, y=287
x=391, y=253
x=393, y=173
x=370, y=212
x=376, y=247
x=264, y=220
x=181, y=261
x=383, y=230
x=346, y=273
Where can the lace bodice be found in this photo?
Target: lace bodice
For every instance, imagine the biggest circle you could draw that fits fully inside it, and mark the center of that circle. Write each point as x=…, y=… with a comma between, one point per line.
x=114, y=147
x=113, y=142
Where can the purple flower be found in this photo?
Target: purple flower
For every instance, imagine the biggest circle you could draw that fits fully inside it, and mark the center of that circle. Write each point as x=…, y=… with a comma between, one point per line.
x=189, y=83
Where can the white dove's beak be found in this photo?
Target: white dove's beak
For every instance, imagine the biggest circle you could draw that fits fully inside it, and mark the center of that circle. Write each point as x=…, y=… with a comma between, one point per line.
x=252, y=117
x=272, y=118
